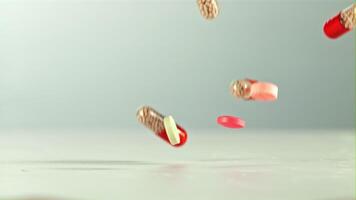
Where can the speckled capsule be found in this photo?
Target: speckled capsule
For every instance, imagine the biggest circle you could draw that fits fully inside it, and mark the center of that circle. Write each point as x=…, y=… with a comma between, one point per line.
x=154, y=120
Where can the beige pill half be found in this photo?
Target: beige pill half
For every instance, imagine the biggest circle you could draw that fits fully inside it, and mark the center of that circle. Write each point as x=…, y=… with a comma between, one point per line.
x=241, y=89
x=348, y=17
x=209, y=9
x=171, y=130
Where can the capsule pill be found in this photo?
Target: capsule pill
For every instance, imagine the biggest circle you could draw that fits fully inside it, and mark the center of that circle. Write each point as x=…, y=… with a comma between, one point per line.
x=162, y=126
x=249, y=89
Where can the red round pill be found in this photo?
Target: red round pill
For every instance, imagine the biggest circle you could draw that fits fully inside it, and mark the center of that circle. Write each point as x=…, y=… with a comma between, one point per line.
x=230, y=121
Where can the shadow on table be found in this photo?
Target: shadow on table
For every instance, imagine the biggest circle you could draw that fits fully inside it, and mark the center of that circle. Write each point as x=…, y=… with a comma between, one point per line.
x=35, y=198
x=82, y=165
x=340, y=198
x=81, y=162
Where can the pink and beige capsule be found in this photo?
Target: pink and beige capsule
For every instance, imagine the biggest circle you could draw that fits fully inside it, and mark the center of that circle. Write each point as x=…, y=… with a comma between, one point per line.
x=249, y=89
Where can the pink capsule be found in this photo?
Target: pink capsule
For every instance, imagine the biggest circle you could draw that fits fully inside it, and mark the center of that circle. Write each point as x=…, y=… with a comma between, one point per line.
x=249, y=89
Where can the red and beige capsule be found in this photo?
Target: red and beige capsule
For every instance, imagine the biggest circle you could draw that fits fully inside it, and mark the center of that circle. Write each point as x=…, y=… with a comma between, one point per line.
x=249, y=89
x=163, y=126
x=342, y=23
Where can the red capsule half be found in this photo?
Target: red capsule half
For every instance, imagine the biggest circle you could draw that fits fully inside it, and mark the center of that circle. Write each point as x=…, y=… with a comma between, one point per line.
x=182, y=135
x=334, y=28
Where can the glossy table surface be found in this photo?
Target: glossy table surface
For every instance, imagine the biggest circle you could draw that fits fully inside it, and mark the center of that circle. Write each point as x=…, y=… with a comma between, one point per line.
x=214, y=164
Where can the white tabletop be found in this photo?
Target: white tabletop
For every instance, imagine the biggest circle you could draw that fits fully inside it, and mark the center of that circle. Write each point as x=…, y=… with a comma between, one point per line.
x=222, y=164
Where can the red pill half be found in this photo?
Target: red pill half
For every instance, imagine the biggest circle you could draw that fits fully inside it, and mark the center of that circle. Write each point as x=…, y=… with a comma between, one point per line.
x=182, y=135
x=230, y=121
x=334, y=28
x=340, y=24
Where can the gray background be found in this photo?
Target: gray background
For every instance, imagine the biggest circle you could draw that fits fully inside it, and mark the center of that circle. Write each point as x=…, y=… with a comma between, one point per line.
x=90, y=64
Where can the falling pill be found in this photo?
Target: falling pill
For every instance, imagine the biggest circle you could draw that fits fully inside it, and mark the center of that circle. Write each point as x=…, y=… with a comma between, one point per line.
x=249, y=89
x=163, y=127
x=229, y=121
